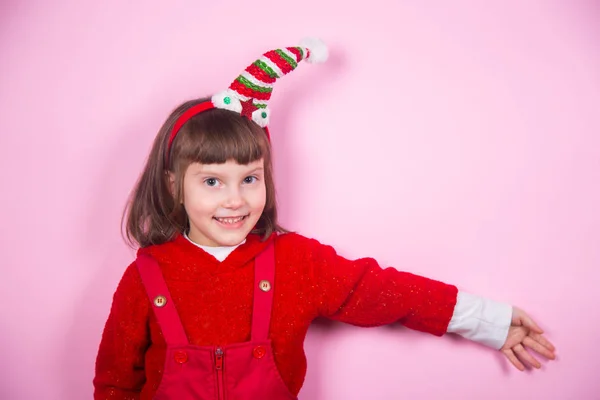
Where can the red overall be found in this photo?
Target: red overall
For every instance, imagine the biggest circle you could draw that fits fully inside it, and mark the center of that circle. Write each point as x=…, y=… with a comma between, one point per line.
x=240, y=371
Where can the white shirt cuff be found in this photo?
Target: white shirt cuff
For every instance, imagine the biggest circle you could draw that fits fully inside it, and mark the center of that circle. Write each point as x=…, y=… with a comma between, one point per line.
x=481, y=320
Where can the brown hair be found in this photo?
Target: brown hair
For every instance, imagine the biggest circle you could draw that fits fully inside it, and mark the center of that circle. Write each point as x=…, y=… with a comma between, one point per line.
x=153, y=214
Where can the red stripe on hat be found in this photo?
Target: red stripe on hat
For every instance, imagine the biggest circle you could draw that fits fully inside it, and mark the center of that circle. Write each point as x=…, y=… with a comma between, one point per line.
x=283, y=65
x=296, y=52
x=246, y=91
x=259, y=74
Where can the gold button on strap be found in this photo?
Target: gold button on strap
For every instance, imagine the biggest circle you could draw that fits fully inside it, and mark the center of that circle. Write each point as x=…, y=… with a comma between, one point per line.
x=160, y=301
x=264, y=285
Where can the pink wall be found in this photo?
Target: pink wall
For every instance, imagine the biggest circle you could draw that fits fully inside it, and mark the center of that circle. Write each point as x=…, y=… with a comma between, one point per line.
x=456, y=141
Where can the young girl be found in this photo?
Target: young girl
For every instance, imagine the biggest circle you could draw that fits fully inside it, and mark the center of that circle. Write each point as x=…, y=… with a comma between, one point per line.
x=220, y=298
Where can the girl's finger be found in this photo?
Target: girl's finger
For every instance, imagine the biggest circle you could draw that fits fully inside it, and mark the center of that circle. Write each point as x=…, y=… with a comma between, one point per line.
x=513, y=359
x=524, y=355
x=538, y=347
x=542, y=340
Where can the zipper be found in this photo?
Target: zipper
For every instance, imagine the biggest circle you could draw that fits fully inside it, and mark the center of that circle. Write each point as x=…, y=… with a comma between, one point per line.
x=219, y=368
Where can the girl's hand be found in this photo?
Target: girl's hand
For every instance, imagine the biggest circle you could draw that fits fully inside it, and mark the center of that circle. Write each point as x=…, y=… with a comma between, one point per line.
x=525, y=332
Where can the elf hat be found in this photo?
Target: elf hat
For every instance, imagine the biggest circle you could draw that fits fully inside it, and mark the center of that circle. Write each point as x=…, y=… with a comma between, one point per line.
x=250, y=92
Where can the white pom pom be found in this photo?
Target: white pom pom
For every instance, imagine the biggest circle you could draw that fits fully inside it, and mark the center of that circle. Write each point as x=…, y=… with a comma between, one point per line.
x=318, y=50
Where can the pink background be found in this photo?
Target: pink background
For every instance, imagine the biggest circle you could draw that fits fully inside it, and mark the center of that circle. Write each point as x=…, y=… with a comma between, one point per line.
x=455, y=141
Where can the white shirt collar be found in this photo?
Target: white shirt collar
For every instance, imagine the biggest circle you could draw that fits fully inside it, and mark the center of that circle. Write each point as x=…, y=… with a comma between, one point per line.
x=219, y=252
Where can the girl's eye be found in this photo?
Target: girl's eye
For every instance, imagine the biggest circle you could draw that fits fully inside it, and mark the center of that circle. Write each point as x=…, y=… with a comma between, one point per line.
x=211, y=182
x=250, y=179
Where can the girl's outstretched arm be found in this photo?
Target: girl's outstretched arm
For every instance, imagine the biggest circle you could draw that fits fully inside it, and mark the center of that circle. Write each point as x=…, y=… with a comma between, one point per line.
x=361, y=292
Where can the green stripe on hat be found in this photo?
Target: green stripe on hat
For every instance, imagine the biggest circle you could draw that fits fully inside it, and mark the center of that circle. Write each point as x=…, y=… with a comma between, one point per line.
x=252, y=86
x=262, y=65
x=287, y=58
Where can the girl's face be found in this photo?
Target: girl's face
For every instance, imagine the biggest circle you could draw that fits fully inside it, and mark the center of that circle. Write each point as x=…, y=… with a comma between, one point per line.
x=223, y=201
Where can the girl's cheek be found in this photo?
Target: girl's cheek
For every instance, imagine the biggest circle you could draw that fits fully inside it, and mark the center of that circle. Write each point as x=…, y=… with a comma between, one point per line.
x=200, y=193
x=256, y=192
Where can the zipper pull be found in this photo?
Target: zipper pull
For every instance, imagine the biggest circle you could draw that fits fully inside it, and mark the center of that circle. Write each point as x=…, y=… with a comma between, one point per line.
x=219, y=358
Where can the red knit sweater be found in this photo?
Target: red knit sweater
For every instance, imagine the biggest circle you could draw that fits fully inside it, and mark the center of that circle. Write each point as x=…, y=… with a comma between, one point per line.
x=214, y=301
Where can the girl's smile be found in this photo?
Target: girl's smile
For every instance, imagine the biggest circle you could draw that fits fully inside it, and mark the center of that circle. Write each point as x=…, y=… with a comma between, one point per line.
x=231, y=222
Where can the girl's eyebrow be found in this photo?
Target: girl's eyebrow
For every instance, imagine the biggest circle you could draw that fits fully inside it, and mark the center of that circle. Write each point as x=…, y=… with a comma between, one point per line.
x=214, y=173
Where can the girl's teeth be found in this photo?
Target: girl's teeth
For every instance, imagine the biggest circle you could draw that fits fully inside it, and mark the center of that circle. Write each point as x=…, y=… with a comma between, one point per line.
x=230, y=220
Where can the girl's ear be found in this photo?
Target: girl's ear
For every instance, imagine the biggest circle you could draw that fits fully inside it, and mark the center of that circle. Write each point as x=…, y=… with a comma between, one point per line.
x=171, y=182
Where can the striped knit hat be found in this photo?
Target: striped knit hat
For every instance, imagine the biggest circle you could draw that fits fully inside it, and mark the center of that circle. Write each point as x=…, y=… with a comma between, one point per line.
x=250, y=92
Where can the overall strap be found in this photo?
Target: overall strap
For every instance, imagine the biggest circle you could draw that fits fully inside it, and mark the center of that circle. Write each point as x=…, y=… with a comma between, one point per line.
x=264, y=280
x=162, y=303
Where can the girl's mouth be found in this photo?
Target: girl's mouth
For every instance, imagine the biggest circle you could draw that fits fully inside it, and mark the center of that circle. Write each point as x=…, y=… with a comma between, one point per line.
x=231, y=222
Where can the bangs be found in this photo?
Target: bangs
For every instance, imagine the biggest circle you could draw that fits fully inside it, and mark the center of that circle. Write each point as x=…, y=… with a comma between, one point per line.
x=216, y=136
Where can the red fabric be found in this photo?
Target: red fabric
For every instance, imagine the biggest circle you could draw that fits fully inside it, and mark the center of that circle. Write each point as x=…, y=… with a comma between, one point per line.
x=283, y=65
x=242, y=89
x=237, y=371
x=296, y=52
x=248, y=108
x=260, y=74
x=264, y=273
x=166, y=315
x=214, y=301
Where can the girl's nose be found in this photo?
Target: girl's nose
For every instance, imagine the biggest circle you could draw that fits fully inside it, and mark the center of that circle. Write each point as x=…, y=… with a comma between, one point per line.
x=234, y=199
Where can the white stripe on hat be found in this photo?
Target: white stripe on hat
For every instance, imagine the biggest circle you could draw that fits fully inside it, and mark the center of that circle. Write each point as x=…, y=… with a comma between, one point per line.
x=272, y=65
x=290, y=55
x=255, y=81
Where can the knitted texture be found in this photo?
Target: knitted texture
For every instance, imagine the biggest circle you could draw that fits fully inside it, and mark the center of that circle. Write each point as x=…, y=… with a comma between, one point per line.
x=250, y=92
x=214, y=301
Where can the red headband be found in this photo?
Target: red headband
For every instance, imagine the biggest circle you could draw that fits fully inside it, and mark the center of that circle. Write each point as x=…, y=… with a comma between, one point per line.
x=185, y=117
